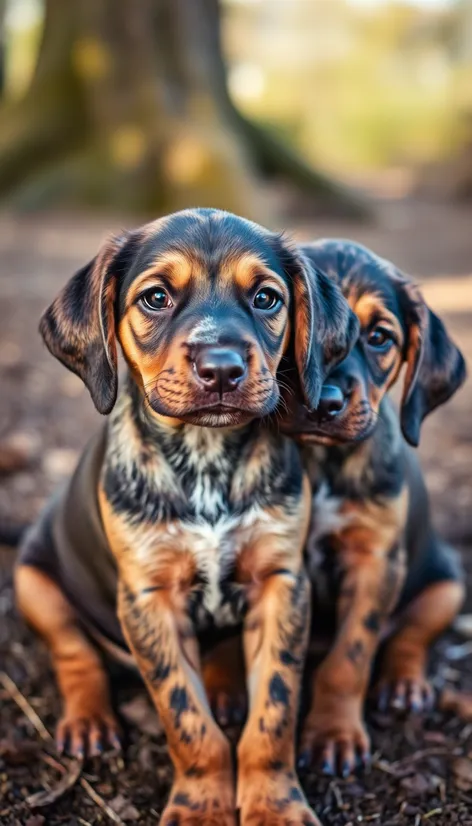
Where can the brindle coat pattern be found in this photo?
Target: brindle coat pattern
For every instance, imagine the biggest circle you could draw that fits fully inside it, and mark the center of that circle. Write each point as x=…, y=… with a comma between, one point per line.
x=371, y=547
x=204, y=510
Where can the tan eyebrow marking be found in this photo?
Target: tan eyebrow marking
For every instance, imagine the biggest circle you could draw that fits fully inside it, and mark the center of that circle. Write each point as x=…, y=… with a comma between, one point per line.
x=369, y=305
x=245, y=267
x=178, y=267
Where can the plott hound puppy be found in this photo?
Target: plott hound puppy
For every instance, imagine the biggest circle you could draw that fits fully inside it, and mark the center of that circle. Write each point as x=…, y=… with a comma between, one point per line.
x=373, y=554
x=185, y=516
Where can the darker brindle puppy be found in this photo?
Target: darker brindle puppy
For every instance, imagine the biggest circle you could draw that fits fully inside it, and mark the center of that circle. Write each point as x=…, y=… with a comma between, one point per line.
x=185, y=513
x=372, y=543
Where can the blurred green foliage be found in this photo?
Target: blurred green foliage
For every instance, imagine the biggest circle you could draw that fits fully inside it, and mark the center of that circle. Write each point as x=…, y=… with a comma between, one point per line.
x=356, y=87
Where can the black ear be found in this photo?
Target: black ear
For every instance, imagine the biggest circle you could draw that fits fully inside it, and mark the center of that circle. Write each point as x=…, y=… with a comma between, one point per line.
x=435, y=366
x=79, y=326
x=325, y=328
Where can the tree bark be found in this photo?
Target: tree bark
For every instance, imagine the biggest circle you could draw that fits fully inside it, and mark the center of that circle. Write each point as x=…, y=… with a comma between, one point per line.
x=128, y=107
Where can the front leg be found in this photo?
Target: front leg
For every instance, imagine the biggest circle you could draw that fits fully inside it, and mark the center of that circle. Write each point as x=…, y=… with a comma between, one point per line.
x=372, y=575
x=275, y=640
x=163, y=642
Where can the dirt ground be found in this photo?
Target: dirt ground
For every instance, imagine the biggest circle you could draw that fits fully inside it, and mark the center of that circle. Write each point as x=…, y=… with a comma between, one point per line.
x=422, y=768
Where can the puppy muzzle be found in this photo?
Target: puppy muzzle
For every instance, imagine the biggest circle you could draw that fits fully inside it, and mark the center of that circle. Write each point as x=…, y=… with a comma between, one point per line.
x=219, y=369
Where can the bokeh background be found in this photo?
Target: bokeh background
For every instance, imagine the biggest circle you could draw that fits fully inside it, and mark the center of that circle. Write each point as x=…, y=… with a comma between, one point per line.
x=321, y=117
x=374, y=93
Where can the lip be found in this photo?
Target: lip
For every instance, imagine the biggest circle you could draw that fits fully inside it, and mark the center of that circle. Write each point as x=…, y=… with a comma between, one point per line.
x=218, y=407
x=217, y=415
x=331, y=437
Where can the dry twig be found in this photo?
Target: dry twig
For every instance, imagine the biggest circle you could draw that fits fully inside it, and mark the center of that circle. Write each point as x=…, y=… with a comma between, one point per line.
x=12, y=689
x=38, y=724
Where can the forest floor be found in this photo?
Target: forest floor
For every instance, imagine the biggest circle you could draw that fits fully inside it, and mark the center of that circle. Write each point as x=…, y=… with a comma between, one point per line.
x=422, y=768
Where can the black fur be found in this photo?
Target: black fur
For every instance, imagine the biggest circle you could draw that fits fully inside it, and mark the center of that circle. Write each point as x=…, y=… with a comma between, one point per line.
x=79, y=326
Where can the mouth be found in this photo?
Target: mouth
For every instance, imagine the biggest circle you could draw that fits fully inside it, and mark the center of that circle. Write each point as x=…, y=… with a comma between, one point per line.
x=215, y=414
x=222, y=411
x=218, y=407
x=335, y=435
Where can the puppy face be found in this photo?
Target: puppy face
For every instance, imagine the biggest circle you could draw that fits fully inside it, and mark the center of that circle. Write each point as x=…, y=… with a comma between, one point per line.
x=204, y=320
x=203, y=304
x=395, y=327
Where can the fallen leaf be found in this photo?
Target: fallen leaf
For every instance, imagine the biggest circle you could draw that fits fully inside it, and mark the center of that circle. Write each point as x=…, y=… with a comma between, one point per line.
x=463, y=625
x=17, y=753
x=436, y=737
x=18, y=451
x=462, y=771
x=140, y=712
x=419, y=784
x=124, y=808
x=59, y=462
x=35, y=820
x=456, y=702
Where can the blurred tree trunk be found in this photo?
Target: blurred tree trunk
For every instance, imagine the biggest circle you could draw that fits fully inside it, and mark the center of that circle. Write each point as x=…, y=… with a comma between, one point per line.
x=128, y=107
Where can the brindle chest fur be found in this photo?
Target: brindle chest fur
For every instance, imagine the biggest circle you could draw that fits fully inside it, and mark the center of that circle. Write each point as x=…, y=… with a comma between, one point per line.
x=359, y=497
x=187, y=504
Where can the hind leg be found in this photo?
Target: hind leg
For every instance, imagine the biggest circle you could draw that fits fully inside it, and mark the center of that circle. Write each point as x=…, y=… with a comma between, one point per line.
x=403, y=683
x=87, y=722
x=225, y=681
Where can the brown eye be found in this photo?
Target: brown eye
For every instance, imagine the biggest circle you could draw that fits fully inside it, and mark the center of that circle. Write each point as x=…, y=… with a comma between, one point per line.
x=379, y=338
x=266, y=299
x=156, y=299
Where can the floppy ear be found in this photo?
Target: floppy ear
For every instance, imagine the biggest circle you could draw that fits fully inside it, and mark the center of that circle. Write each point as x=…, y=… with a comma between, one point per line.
x=435, y=366
x=325, y=328
x=79, y=326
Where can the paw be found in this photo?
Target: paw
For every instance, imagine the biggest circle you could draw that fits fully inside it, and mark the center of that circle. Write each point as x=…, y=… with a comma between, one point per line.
x=87, y=735
x=228, y=708
x=404, y=695
x=202, y=800
x=337, y=742
x=274, y=799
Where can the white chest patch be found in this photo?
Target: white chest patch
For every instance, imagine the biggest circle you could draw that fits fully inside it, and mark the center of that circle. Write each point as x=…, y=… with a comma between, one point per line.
x=326, y=518
x=216, y=548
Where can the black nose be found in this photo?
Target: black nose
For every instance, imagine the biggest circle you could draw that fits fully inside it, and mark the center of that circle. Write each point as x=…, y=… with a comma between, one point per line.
x=331, y=401
x=219, y=370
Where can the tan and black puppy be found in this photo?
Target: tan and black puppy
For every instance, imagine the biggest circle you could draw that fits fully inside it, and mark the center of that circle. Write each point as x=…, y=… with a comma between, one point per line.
x=185, y=516
x=373, y=554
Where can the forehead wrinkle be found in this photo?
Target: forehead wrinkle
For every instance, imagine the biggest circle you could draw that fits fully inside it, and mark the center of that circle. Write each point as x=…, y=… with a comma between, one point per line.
x=211, y=234
x=207, y=238
x=178, y=233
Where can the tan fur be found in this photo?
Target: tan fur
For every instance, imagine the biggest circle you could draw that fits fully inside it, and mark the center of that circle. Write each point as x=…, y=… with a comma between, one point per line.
x=369, y=306
x=405, y=659
x=80, y=673
x=152, y=371
x=366, y=533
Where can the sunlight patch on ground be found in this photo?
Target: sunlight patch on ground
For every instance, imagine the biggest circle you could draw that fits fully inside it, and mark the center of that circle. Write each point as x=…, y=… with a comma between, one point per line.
x=451, y=294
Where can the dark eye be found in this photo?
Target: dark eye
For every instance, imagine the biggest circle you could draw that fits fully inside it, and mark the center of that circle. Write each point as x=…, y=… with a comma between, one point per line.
x=266, y=299
x=379, y=338
x=156, y=299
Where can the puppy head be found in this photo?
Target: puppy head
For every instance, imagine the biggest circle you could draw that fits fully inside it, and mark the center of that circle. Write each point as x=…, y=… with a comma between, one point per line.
x=395, y=326
x=203, y=304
